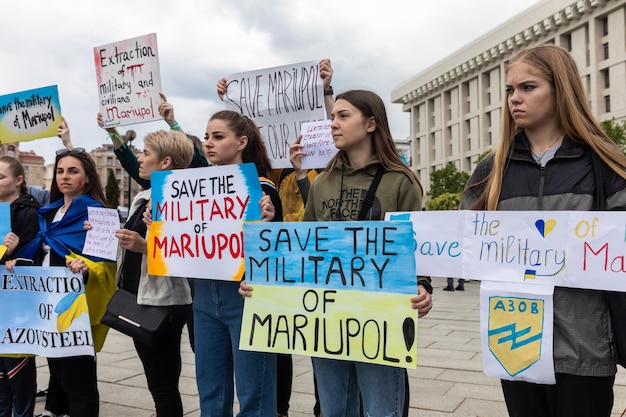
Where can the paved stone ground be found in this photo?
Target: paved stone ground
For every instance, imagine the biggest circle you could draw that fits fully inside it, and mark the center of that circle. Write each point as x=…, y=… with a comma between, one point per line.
x=448, y=381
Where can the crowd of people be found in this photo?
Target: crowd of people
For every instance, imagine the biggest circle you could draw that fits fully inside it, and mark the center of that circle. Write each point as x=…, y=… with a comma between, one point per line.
x=552, y=155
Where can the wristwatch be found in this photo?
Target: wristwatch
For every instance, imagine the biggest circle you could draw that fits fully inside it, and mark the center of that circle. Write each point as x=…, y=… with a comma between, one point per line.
x=329, y=91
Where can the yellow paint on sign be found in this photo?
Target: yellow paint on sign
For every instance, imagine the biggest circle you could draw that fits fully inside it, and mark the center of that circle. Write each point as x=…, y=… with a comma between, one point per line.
x=373, y=327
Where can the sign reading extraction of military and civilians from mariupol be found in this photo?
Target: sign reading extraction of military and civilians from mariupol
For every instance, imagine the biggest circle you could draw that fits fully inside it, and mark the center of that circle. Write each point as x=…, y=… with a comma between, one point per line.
x=29, y=115
x=279, y=100
x=44, y=312
x=129, y=81
x=197, y=220
x=331, y=289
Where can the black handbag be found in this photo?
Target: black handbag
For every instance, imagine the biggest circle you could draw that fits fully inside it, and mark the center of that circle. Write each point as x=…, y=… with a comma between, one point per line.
x=616, y=300
x=141, y=322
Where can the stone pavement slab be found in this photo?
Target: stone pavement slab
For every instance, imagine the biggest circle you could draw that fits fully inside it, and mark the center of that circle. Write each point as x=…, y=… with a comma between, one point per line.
x=448, y=381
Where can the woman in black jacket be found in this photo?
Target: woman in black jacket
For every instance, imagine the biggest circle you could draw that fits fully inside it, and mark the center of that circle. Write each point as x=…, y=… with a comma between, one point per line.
x=18, y=375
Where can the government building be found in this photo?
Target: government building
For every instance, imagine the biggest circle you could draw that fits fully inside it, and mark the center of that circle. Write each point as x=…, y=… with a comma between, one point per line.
x=455, y=105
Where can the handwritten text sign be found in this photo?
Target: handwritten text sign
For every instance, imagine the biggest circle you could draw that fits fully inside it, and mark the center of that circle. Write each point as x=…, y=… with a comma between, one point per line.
x=129, y=81
x=521, y=246
x=317, y=144
x=331, y=289
x=101, y=240
x=44, y=312
x=564, y=248
x=432, y=241
x=279, y=100
x=596, y=250
x=29, y=115
x=197, y=220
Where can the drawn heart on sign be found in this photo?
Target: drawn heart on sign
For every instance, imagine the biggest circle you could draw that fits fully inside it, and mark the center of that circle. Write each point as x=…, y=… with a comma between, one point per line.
x=545, y=226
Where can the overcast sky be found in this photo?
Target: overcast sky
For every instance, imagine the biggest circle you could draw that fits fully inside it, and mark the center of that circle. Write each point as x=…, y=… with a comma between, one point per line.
x=372, y=44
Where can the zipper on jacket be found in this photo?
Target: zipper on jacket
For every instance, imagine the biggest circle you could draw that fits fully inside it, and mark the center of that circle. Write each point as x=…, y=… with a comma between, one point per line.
x=542, y=180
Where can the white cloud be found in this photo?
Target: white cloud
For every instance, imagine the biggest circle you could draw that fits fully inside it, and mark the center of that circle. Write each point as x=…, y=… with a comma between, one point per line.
x=372, y=44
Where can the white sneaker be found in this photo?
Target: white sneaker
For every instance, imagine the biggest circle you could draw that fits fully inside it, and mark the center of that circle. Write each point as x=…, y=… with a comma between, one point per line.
x=46, y=413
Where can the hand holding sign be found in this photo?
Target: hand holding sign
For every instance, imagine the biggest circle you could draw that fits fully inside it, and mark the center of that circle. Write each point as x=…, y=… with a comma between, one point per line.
x=317, y=144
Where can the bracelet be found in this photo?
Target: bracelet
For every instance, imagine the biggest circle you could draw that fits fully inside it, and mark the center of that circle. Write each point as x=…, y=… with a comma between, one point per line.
x=329, y=91
x=115, y=136
x=175, y=126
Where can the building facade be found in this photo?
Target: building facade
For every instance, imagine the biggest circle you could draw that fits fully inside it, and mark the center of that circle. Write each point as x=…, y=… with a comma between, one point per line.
x=105, y=160
x=34, y=168
x=456, y=104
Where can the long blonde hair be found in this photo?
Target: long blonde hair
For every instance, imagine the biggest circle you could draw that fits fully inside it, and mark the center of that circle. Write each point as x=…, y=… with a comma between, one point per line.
x=572, y=111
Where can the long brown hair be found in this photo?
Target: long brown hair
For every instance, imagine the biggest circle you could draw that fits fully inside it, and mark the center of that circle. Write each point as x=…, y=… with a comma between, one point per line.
x=371, y=105
x=255, y=150
x=572, y=111
x=17, y=170
x=93, y=187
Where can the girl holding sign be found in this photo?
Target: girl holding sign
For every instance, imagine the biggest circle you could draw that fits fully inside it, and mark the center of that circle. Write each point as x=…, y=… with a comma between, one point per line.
x=233, y=139
x=553, y=155
x=162, y=362
x=75, y=187
x=361, y=133
x=18, y=376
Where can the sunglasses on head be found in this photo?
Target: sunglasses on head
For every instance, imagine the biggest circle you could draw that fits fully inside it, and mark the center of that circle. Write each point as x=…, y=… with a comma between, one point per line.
x=74, y=151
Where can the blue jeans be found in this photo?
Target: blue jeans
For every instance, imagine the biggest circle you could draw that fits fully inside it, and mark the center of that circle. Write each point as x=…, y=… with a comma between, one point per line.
x=339, y=383
x=18, y=386
x=217, y=310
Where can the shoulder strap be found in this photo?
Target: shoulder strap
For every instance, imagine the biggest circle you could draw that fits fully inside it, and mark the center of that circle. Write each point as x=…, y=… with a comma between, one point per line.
x=369, y=198
x=283, y=174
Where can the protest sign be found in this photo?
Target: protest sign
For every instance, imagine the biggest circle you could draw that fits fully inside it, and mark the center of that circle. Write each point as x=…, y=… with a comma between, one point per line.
x=197, y=220
x=279, y=100
x=516, y=246
x=100, y=240
x=331, y=289
x=129, y=81
x=29, y=115
x=575, y=249
x=436, y=237
x=508, y=250
x=516, y=328
x=317, y=144
x=44, y=312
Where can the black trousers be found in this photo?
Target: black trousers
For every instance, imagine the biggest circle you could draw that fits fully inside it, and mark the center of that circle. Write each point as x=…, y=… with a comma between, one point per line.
x=284, y=378
x=572, y=396
x=73, y=386
x=162, y=365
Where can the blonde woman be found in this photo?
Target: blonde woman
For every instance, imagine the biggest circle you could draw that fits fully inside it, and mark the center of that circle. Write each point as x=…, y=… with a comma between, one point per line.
x=553, y=155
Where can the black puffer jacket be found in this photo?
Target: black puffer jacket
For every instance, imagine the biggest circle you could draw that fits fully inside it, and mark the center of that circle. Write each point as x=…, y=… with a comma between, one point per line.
x=24, y=222
x=582, y=326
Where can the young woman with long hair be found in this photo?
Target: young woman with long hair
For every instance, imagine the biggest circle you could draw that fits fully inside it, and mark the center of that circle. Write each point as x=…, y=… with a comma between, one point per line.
x=553, y=155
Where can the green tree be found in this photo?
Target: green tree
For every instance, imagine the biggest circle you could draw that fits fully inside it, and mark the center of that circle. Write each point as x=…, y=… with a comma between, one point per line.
x=482, y=156
x=447, y=180
x=617, y=132
x=112, y=190
x=445, y=201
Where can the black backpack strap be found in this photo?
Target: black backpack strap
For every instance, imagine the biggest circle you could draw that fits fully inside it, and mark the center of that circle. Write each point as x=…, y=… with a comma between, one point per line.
x=283, y=174
x=369, y=198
